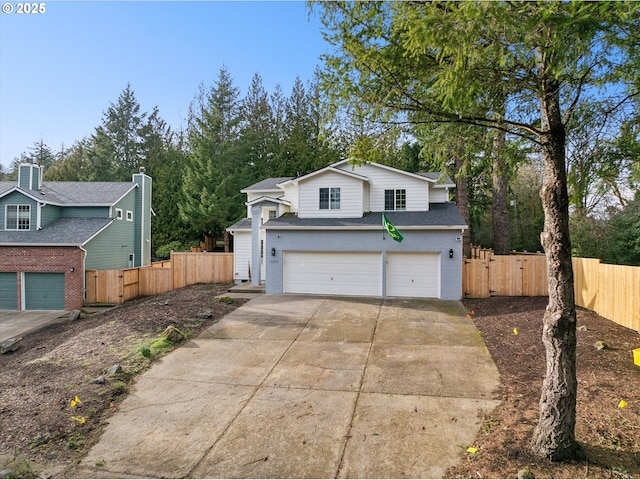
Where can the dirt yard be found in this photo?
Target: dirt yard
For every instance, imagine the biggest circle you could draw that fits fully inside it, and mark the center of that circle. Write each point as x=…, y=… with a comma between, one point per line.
x=45, y=431
x=609, y=434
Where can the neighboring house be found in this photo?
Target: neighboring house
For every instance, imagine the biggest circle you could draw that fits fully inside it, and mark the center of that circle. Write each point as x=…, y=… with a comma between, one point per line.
x=322, y=233
x=51, y=232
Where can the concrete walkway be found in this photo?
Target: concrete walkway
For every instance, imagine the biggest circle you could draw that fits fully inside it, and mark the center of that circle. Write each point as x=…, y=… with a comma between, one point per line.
x=308, y=387
x=20, y=322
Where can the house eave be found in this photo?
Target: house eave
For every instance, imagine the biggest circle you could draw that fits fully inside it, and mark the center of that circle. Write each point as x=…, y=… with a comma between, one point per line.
x=365, y=227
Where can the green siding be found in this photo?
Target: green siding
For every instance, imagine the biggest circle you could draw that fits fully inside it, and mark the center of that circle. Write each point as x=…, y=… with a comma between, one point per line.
x=8, y=291
x=49, y=214
x=17, y=198
x=111, y=248
x=44, y=291
x=86, y=212
x=143, y=219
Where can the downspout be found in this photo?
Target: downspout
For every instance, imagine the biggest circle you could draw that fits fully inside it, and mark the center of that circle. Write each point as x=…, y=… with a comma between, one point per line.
x=84, y=274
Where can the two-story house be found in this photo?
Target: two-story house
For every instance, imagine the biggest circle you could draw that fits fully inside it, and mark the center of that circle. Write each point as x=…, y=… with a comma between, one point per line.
x=323, y=233
x=51, y=232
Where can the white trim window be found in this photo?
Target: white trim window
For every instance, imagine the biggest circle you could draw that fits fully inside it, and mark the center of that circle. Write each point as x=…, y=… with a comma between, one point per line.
x=330, y=198
x=395, y=199
x=17, y=217
x=118, y=214
x=129, y=216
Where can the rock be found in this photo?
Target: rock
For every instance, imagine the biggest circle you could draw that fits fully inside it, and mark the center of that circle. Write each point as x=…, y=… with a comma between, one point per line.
x=99, y=380
x=172, y=334
x=10, y=345
x=204, y=315
x=114, y=370
x=74, y=315
x=582, y=328
x=167, y=303
x=601, y=345
x=525, y=473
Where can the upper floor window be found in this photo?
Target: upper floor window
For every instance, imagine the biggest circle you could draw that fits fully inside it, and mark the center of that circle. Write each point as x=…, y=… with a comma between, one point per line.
x=18, y=217
x=118, y=214
x=129, y=216
x=395, y=199
x=330, y=198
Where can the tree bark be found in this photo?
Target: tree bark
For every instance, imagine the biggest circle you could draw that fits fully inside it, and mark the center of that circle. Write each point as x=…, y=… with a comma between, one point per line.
x=554, y=436
x=462, y=202
x=501, y=236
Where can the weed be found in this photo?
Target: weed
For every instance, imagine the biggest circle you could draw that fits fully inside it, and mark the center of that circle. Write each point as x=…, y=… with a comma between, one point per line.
x=75, y=441
x=489, y=424
x=118, y=387
x=69, y=387
x=85, y=364
x=35, y=361
x=227, y=300
x=145, y=351
x=101, y=463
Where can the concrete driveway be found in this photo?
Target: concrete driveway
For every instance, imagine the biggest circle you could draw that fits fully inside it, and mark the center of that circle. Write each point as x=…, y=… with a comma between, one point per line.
x=14, y=323
x=308, y=387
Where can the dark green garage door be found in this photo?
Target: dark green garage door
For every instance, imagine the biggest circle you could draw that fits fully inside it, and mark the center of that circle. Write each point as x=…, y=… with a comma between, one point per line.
x=8, y=291
x=44, y=291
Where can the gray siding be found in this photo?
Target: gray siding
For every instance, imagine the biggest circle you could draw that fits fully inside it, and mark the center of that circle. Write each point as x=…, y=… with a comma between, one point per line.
x=369, y=241
x=111, y=248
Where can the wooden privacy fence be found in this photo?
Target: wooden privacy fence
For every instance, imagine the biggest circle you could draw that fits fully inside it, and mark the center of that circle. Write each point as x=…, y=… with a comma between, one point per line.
x=184, y=268
x=612, y=291
x=505, y=275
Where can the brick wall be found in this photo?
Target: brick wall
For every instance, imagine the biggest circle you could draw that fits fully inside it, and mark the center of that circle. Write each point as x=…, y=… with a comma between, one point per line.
x=48, y=259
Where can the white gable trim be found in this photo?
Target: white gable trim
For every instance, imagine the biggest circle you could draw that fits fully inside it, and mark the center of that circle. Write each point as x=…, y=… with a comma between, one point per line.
x=330, y=168
x=385, y=167
x=265, y=198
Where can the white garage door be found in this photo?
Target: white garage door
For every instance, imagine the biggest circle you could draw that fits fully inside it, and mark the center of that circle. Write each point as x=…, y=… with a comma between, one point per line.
x=413, y=275
x=334, y=273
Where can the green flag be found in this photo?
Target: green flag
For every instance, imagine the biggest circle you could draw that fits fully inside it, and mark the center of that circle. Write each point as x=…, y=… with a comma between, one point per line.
x=393, y=231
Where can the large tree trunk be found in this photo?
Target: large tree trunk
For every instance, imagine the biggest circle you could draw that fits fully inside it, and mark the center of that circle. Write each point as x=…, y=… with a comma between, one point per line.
x=501, y=237
x=462, y=202
x=554, y=436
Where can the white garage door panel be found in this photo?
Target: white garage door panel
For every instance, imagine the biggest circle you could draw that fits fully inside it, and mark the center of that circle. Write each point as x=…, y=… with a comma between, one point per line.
x=333, y=273
x=413, y=275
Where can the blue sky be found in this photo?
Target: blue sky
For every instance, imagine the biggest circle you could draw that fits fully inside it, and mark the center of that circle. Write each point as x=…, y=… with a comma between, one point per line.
x=60, y=70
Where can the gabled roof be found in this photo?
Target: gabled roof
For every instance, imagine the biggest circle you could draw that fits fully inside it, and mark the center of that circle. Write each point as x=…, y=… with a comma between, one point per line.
x=429, y=177
x=268, y=199
x=439, y=216
x=267, y=185
x=74, y=193
x=330, y=168
x=62, y=232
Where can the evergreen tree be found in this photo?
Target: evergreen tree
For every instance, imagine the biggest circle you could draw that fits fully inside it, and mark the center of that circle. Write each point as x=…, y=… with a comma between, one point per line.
x=214, y=174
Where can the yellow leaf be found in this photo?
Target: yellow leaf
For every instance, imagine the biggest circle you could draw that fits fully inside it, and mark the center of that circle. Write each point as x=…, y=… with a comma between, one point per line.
x=75, y=401
x=515, y=331
x=472, y=450
x=80, y=420
x=622, y=404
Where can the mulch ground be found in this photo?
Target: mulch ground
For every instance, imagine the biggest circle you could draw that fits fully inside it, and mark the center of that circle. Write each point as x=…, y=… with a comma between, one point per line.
x=609, y=434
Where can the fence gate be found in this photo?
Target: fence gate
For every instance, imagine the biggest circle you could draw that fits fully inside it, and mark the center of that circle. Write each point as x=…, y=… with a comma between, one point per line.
x=506, y=275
